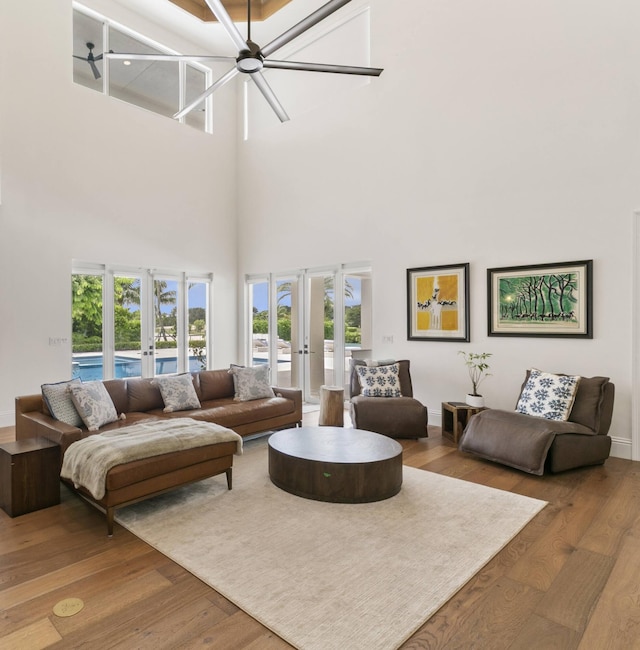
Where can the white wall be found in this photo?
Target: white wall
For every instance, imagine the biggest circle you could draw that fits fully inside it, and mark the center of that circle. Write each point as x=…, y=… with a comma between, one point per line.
x=87, y=177
x=500, y=133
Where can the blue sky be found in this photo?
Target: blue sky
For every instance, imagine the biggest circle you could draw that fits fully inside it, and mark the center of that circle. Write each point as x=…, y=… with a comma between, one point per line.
x=260, y=295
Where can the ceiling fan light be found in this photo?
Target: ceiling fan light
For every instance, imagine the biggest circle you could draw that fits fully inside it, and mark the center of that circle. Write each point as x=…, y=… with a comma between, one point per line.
x=249, y=63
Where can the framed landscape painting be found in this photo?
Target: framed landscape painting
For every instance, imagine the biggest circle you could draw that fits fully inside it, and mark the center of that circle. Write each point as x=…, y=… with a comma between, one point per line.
x=438, y=303
x=551, y=300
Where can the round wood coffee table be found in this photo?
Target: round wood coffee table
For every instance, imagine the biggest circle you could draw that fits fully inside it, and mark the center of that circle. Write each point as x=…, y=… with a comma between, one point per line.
x=335, y=464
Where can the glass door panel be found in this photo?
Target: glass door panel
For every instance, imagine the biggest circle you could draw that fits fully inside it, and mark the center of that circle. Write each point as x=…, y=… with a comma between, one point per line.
x=319, y=339
x=197, y=294
x=289, y=348
x=126, y=324
x=86, y=326
x=165, y=300
x=357, y=321
x=259, y=322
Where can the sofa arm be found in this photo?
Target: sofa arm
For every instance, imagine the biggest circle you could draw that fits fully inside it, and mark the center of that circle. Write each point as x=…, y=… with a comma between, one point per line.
x=28, y=403
x=294, y=394
x=33, y=424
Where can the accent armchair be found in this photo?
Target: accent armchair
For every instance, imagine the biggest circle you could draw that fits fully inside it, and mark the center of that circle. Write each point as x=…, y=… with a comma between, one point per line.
x=534, y=444
x=397, y=417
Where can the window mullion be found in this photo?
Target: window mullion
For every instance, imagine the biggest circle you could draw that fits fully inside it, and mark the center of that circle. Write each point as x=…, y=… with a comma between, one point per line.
x=108, y=326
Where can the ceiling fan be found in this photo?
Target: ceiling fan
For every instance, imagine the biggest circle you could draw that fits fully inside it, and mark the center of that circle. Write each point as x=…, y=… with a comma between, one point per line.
x=252, y=58
x=91, y=60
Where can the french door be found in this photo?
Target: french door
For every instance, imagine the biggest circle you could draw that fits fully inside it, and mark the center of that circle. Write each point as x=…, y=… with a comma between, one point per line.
x=305, y=329
x=138, y=323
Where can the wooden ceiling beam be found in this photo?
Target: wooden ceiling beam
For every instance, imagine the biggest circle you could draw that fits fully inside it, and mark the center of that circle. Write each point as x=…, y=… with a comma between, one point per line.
x=260, y=9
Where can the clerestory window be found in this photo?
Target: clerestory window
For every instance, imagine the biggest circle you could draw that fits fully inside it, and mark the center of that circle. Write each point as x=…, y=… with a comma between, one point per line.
x=163, y=87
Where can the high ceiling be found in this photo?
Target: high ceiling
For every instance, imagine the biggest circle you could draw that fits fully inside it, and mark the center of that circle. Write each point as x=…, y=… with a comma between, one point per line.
x=237, y=9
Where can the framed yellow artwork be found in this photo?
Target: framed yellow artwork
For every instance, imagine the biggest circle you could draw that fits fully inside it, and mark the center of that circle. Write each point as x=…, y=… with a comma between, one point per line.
x=438, y=303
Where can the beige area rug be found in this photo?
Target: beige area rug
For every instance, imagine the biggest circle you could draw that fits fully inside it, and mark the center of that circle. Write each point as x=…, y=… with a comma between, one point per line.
x=329, y=576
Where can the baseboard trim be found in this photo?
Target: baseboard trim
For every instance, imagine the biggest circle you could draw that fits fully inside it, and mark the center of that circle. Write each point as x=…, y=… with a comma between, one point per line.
x=7, y=419
x=621, y=448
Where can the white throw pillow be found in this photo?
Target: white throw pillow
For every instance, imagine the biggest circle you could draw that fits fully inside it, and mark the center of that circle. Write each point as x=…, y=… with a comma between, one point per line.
x=549, y=396
x=379, y=381
x=178, y=392
x=251, y=383
x=59, y=402
x=93, y=403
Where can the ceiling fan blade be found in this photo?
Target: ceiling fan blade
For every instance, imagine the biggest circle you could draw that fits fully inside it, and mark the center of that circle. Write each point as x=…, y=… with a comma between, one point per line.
x=224, y=19
x=270, y=96
x=214, y=86
x=166, y=57
x=94, y=69
x=322, y=67
x=305, y=24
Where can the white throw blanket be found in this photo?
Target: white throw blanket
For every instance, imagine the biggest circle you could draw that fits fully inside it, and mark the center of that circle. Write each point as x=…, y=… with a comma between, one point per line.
x=86, y=462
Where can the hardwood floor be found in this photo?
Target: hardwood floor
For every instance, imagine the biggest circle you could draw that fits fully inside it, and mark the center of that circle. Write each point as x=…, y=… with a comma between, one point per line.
x=570, y=579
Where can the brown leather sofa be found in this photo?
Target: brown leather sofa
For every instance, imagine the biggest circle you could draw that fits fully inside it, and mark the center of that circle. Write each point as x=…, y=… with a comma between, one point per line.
x=139, y=400
x=535, y=444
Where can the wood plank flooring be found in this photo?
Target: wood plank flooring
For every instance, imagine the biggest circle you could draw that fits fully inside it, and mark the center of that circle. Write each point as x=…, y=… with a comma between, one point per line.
x=569, y=580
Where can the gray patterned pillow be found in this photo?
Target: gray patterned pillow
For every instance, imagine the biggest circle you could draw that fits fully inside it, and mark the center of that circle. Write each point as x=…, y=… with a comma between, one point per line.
x=59, y=402
x=178, y=392
x=549, y=396
x=93, y=403
x=380, y=381
x=251, y=383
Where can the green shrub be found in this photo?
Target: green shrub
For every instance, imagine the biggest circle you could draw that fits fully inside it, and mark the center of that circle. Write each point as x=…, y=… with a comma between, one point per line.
x=166, y=345
x=352, y=335
x=260, y=326
x=284, y=329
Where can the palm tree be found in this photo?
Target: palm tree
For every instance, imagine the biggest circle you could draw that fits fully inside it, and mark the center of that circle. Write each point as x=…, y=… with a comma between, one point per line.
x=162, y=296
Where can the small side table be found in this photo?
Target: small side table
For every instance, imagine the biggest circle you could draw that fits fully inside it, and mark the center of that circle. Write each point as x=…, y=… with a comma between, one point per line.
x=29, y=475
x=455, y=416
x=331, y=406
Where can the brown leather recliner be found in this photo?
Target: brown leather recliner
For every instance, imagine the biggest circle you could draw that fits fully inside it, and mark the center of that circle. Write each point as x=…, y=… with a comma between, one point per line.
x=397, y=417
x=535, y=444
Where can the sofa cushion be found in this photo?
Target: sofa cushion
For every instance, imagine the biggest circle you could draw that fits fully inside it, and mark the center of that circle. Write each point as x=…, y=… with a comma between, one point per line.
x=135, y=471
x=117, y=389
x=144, y=395
x=93, y=403
x=587, y=407
x=215, y=384
x=547, y=395
x=178, y=392
x=379, y=381
x=230, y=413
x=251, y=383
x=58, y=400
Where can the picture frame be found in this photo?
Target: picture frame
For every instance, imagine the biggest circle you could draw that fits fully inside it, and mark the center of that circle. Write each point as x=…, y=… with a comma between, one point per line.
x=438, y=303
x=552, y=300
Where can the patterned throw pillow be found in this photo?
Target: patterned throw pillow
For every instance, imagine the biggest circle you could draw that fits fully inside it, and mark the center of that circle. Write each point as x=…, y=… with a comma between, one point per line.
x=548, y=396
x=59, y=402
x=178, y=392
x=93, y=403
x=379, y=381
x=251, y=383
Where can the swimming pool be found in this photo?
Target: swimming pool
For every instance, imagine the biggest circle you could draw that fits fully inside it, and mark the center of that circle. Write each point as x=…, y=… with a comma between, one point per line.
x=89, y=368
